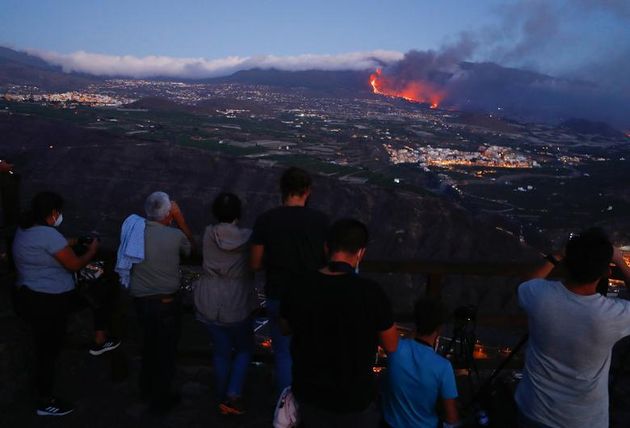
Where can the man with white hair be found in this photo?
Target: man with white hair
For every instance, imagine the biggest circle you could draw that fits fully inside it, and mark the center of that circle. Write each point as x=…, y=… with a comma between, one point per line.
x=154, y=285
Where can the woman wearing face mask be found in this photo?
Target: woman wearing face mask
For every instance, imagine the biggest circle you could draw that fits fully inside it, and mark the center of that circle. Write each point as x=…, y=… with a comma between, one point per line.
x=45, y=263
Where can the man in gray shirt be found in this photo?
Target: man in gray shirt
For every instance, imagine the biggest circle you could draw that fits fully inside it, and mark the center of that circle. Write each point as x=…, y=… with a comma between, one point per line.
x=572, y=330
x=154, y=285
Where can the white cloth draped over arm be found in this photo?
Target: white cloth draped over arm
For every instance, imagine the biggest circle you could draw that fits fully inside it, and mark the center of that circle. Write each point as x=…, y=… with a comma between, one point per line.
x=131, y=249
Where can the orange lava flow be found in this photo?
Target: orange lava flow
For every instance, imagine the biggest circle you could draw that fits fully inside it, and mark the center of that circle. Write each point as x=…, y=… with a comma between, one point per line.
x=417, y=91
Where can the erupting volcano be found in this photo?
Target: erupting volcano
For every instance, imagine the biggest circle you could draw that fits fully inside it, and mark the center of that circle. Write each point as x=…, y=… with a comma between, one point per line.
x=416, y=91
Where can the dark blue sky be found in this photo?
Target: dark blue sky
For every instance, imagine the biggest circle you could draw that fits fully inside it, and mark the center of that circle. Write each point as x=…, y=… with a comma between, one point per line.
x=218, y=28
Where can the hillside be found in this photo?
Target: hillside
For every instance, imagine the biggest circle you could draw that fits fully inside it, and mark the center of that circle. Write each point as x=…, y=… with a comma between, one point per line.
x=343, y=82
x=19, y=68
x=104, y=178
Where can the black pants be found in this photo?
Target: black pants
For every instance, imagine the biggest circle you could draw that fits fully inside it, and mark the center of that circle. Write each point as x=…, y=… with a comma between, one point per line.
x=101, y=298
x=161, y=325
x=47, y=315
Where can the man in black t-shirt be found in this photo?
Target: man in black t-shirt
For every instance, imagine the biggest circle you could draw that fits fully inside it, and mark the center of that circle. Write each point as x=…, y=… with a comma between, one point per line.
x=287, y=241
x=337, y=320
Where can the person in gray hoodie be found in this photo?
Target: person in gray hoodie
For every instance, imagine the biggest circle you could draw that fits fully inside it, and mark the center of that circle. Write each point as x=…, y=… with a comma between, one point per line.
x=225, y=300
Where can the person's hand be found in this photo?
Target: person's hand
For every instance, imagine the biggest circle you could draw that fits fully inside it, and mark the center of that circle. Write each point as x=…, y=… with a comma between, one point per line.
x=93, y=246
x=176, y=212
x=5, y=166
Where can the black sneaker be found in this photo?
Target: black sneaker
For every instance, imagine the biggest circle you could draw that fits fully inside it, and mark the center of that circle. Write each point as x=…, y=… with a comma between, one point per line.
x=109, y=345
x=54, y=407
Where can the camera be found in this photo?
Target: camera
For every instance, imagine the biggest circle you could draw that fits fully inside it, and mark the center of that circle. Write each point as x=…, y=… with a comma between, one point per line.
x=86, y=240
x=83, y=242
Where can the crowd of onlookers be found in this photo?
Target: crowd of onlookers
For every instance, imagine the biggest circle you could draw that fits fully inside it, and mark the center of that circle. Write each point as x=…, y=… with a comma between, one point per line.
x=325, y=320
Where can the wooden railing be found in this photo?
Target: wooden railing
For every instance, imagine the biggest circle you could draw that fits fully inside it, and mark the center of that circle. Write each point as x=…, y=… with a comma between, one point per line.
x=436, y=271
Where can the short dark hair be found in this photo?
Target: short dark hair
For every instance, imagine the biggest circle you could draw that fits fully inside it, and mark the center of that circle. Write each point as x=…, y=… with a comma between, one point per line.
x=294, y=182
x=42, y=205
x=429, y=313
x=226, y=207
x=588, y=256
x=348, y=235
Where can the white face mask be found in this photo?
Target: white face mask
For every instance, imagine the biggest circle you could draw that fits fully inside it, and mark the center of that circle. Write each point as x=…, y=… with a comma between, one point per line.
x=59, y=220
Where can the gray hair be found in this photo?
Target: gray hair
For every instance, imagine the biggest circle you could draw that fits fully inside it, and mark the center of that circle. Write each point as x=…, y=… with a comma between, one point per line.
x=157, y=206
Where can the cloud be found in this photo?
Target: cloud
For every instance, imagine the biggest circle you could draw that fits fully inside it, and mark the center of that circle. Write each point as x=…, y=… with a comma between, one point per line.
x=199, y=68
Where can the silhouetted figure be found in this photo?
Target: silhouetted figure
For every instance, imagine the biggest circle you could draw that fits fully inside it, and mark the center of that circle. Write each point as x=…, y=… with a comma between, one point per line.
x=287, y=241
x=572, y=330
x=337, y=320
x=225, y=299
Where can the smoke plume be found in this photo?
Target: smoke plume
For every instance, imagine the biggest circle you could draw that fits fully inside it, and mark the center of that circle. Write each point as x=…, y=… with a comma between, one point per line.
x=589, y=67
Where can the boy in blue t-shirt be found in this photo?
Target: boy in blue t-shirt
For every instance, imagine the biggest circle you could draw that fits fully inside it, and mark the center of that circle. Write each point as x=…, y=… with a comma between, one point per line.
x=417, y=377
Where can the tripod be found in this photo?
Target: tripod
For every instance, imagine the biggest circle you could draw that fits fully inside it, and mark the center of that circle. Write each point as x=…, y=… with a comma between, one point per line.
x=464, y=338
x=487, y=395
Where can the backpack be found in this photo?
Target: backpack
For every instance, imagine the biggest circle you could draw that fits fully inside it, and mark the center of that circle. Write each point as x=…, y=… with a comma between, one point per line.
x=286, y=414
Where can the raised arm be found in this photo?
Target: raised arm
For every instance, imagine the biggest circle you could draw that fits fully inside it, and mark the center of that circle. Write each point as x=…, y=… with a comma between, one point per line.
x=178, y=217
x=71, y=261
x=549, y=264
x=388, y=339
x=619, y=261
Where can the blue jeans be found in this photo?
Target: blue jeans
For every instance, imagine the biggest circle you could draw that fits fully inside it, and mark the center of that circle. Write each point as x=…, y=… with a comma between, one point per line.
x=281, y=345
x=230, y=371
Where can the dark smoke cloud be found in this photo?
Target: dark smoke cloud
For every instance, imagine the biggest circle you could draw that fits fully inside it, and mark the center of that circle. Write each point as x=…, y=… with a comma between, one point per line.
x=433, y=66
x=588, y=83
x=578, y=39
x=526, y=27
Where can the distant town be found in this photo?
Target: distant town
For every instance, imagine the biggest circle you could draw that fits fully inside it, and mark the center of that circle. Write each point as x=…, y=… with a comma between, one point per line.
x=481, y=159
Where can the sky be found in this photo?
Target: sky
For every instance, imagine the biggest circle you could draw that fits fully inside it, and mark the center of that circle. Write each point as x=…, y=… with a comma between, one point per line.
x=220, y=28
x=580, y=39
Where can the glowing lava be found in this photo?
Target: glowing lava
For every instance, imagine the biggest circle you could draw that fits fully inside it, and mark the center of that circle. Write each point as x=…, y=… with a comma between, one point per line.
x=374, y=77
x=417, y=91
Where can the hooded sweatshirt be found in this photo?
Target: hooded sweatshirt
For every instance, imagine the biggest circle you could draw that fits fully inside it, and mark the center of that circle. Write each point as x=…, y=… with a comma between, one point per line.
x=225, y=292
